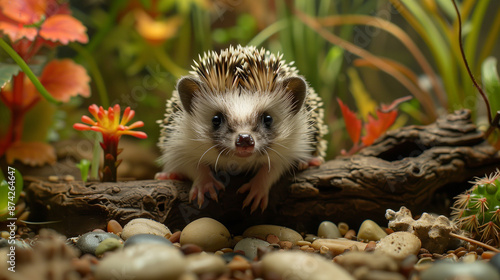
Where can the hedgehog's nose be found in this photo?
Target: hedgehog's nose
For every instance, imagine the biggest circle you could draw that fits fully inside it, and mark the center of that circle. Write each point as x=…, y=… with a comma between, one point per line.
x=245, y=141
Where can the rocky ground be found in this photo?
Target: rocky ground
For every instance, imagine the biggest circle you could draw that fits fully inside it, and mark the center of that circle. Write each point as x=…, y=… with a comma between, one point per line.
x=422, y=249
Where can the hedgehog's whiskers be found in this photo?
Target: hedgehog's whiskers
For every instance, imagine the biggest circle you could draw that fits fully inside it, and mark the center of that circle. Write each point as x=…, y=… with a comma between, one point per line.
x=268, y=161
x=199, y=161
x=217, y=160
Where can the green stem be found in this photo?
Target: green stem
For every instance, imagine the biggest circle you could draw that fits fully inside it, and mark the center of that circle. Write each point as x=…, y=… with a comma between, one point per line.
x=268, y=32
x=96, y=73
x=168, y=64
x=26, y=69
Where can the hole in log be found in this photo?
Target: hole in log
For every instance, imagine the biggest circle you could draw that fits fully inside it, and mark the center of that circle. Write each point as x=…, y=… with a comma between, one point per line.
x=403, y=150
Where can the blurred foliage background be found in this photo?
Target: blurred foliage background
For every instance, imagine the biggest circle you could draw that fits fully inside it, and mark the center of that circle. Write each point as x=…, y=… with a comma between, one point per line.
x=363, y=52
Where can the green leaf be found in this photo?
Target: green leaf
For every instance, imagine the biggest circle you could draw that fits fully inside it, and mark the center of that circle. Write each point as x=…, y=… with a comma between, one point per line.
x=4, y=193
x=6, y=73
x=491, y=82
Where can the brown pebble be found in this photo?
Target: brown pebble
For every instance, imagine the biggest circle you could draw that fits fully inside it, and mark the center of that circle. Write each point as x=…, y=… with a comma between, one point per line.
x=370, y=246
x=425, y=255
x=114, y=227
x=175, y=237
x=355, y=248
x=424, y=251
x=479, y=251
x=226, y=250
x=82, y=266
x=302, y=243
x=350, y=234
x=257, y=269
x=458, y=250
x=323, y=250
x=285, y=244
x=388, y=231
x=488, y=255
x=272, y=239
x=304, y=247
x=239, y=263
x=461, y=253
x=98, y=230
x=437, y=256
x=190, y=249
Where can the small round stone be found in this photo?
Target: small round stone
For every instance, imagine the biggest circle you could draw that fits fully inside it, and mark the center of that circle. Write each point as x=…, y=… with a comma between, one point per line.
x=207, y=233
x=399, y=245
x=299, y=265
x=283, y=233
x=88, y=242
x=478, y=270
x=175, y=237
x=343, y=228
x=142, y=225
x=108, y=245
x=369, y=230
x=114, y=227
x=146, y=238
x=495, y=261
x=249, y=246
x=203, y=263
x=144, y=261
x=328, y=229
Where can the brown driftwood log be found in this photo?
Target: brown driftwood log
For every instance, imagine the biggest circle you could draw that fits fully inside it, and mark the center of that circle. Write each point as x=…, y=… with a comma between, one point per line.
x=406, y=167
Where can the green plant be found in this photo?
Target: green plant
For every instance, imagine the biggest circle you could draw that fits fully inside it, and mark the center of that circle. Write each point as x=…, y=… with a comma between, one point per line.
x=10, y=191
x=84, y=166
x=478, y=210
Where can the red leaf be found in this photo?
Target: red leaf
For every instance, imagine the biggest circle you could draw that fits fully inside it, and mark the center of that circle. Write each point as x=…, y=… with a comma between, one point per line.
x=352, y=123
x=64, y=79
x=15, y=30
x=376, y=127
x=64, y=29
x=24, y=11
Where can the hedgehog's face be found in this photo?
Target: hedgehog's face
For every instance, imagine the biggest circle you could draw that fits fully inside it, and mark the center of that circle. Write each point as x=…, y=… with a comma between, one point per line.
x=241, y=124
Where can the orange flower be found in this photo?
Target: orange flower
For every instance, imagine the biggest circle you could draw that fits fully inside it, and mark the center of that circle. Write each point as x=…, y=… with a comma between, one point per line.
x=108, y=122
x=45, y=18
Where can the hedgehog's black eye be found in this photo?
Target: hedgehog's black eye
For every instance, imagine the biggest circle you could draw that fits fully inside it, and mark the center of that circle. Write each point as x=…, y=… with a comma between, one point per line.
x=267, y=120
x=217, y=120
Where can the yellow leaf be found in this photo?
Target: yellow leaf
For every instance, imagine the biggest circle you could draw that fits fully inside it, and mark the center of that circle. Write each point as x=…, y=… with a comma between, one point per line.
x=366, y=105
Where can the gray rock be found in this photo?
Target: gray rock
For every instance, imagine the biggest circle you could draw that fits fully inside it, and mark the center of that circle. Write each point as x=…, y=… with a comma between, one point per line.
x=283, y=233
x=328, y=229
x=299, y=265
x=205, y=263
x=143, y=261
x=478, y=270
x=146, y=238
x=249, y=246
x=88, y=242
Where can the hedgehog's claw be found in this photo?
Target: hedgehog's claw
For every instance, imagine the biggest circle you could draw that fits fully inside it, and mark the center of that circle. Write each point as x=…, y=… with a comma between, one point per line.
x=203, y=184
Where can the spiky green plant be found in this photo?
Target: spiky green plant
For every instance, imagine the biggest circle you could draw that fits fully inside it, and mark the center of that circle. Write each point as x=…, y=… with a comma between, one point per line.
x=478, y=209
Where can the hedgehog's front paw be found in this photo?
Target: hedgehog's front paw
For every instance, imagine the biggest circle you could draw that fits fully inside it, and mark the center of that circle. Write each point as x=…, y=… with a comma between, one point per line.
x=258, y=192
x=205, y=183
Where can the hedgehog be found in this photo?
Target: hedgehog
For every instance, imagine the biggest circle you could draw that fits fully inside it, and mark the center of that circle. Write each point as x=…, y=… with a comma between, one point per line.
x=245, y=109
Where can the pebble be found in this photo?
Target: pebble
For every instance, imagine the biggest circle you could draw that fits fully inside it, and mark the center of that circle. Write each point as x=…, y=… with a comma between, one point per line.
x=175, y=237
x=285, y=244
x=142, y=225
x=249, y=246
x=495, y=261
x=272, y=239
x=239, y=263
x=337, y=246
x=88, y=242
x=328, y=229
x=488, y=255
x=189, y=249
x=369, y=230
x=299, y=265
x=350, y=234
x=144, y=238
x=108, y=245
x=203, y=263
x=399, y=245
x=114, y=227
x=144, y=261
x=478, y=270
x=207, y=233
x=283, y=233
x=343, y=228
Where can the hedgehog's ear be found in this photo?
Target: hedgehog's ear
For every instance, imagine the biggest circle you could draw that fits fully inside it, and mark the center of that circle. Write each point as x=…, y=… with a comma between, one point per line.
x=187, y=86
x=297, y=87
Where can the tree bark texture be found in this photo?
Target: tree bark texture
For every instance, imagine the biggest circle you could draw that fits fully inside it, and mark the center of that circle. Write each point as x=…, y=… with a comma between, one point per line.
x=405, y=167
